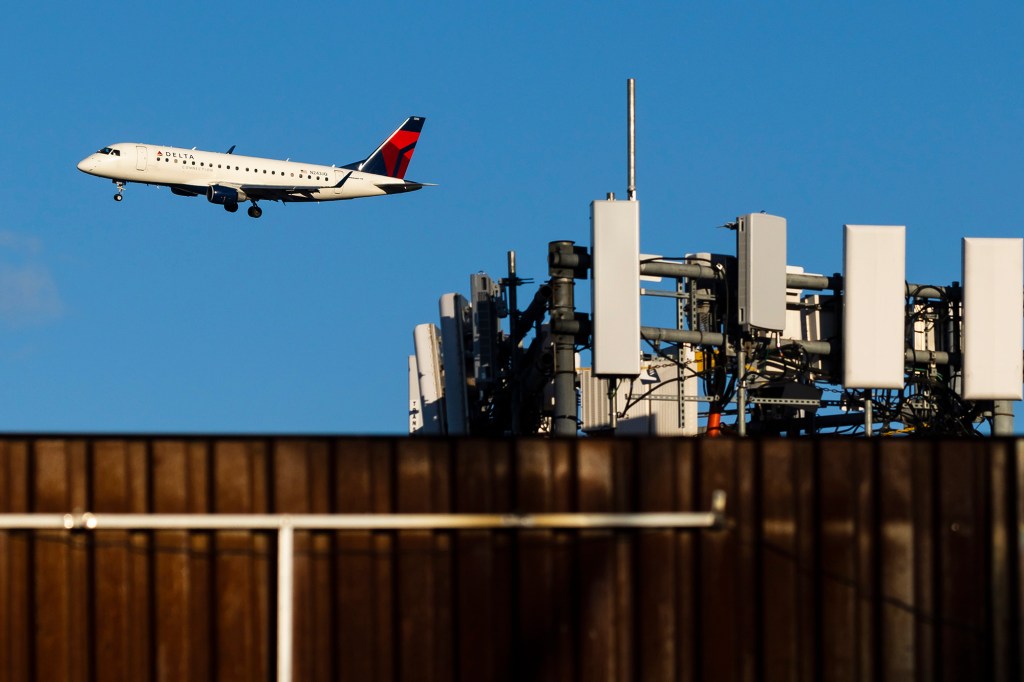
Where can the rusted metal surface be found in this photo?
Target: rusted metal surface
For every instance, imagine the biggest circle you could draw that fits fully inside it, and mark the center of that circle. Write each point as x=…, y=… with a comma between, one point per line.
x=842, y=559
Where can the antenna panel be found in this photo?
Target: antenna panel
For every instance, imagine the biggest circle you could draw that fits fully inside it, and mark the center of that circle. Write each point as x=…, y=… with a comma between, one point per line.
x=428, y=364
x=615, y=287
x=452, y=309
x=486, y=328
x=874, y=283
x=761, y=254
x=993, y=271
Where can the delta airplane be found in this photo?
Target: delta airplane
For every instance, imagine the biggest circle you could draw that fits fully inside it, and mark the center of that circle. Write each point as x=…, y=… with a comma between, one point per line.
x=229, y=179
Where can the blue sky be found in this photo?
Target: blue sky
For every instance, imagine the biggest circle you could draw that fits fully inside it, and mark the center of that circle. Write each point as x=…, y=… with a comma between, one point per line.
x=167, y=314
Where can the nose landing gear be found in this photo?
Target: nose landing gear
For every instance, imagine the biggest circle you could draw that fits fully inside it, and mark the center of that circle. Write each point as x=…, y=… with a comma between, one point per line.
x=255, y=211
x=120, y=189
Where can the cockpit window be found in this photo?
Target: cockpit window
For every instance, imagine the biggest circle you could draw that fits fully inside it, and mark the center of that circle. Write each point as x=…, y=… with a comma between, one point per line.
x=108, y=150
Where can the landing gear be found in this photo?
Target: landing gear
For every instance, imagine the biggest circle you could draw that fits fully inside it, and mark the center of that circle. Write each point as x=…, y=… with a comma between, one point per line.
x=231, y=207
x=120, y=188
x=255, y=211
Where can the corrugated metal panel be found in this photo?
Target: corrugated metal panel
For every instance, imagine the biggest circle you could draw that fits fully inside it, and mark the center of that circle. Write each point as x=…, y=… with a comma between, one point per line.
x=646, y=406
x=843, y=559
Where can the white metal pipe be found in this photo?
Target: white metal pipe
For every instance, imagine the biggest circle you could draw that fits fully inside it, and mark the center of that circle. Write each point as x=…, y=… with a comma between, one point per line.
x=154, y=522
x=868, y=417
x=35, y=522
x=285, y=596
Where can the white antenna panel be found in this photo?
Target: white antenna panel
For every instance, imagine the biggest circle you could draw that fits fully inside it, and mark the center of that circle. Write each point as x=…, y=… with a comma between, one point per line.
x=428, y=363
x=993, y=271
x=761, y=256
x=615, y=287
x=453, y=334
x=874, y=295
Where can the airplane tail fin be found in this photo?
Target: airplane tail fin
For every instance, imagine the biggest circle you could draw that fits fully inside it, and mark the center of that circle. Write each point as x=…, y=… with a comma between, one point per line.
x=392, y=157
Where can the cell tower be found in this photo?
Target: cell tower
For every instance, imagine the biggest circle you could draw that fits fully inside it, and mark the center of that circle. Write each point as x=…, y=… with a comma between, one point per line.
x=759, y=345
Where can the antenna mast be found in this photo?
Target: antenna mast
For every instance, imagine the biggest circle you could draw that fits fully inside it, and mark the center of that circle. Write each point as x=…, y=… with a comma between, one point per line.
x=631, y=138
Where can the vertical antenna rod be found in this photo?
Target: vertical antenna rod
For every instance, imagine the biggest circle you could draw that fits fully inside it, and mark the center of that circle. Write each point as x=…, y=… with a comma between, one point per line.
x=631, y=119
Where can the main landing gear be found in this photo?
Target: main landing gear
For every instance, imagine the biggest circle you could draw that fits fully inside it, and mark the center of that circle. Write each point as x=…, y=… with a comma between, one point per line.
x=254, y=210
x=120, y=189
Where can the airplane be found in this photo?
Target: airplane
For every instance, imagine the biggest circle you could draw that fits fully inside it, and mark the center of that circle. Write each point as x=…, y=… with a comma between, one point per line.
x=229, y=179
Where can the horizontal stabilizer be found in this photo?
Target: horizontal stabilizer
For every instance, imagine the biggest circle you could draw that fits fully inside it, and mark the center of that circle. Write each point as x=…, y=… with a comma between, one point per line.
x=400, y=187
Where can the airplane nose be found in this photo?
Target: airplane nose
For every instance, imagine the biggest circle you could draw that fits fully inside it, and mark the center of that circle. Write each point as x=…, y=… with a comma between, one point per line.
x=86, y=165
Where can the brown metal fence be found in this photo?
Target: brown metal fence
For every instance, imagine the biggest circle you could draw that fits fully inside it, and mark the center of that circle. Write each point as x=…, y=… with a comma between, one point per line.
x=842, y=559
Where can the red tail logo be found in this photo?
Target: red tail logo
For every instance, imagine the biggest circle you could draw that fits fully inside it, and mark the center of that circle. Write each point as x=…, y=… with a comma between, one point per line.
x=393, y=156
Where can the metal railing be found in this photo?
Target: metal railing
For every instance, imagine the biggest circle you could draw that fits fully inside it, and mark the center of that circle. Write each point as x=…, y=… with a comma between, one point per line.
x=285, y=526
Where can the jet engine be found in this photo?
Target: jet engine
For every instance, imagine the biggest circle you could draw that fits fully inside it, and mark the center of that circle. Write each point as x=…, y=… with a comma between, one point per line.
x=218, y=194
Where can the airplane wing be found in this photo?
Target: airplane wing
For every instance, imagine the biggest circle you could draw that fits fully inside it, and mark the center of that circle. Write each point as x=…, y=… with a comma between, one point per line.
x=258, y=192
x=285, y=193
x=278, y=192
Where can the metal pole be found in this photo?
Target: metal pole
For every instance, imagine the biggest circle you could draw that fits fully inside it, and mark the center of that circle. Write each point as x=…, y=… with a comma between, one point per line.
x=682, y=270
x=1002, y=418
x=741, y=391
x=681, y=309
x=697, y=338
x=868, y=425
x=276, y=522
x=563, y=310
x=285, y=596
x=613, y=412
x=631, y=141
x=513, y=322
x=793, y=280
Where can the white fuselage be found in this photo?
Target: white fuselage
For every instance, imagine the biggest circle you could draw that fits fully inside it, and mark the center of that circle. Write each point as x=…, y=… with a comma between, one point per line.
x=197, y=170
